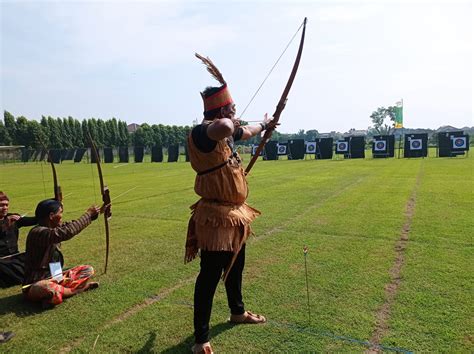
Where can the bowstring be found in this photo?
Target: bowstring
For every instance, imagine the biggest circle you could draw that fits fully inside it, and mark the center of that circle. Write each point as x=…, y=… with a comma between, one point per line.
x=271, y=70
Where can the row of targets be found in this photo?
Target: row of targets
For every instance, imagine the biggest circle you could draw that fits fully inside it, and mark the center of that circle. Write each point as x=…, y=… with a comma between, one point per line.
x=415, y=145
x=450, y=144
x=106, y=154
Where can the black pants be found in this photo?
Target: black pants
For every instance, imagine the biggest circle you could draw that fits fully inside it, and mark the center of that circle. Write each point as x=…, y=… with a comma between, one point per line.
x=212, y=266
x=12, y=271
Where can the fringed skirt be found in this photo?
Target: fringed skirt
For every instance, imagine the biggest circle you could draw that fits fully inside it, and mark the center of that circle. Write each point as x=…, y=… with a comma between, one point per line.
x=218, y=226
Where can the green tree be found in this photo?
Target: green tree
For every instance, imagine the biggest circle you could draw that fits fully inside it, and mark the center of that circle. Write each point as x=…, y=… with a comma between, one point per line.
x=101, y=133
x=93, y=131
x=299, y=135
x=85, y=131
x=124, y=136
x=143, y=136
x=157, y=134
x=78, y=134
x=112, y=132
x=311, y=135
x=46, y=131
x=54, y=133
x=66, y=133
x=72, y=129
x=4, y=137
x=10, y=126
x=167, y=136
x=36, y=134
x=21, y=132
x=383, y=120
x=179, y=134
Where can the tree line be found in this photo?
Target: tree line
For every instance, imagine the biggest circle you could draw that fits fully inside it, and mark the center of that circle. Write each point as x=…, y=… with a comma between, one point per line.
x=64, y=133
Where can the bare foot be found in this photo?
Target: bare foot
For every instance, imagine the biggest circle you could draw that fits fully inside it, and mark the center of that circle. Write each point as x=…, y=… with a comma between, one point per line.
x=91, y=285
x=202, y=348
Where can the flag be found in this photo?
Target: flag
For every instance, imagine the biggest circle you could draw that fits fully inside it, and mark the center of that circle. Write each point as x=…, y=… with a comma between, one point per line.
x=399, y=115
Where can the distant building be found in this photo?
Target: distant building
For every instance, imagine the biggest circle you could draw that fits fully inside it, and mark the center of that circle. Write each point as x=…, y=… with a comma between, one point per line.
x=132, y=128
x=333, y=134
x=12, y=152
x=11, y=147
x=447, y=128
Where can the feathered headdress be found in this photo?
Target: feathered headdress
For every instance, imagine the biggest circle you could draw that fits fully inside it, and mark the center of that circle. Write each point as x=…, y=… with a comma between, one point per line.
x=220, y=98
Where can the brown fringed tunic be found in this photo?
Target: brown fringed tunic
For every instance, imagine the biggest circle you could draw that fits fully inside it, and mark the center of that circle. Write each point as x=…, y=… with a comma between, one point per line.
x=221, y=219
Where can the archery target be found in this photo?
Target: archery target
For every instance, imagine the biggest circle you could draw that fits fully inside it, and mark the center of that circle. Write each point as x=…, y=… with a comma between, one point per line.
x=342, y=146
x=281, y=149
x=310, y=147
x=254, y=150
x=416, y=144
x=459, y=142
x=380, y=145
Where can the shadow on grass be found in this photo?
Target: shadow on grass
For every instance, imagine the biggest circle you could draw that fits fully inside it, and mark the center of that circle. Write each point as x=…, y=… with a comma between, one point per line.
x=148, y=346
x=19, y=306
x=186, y=344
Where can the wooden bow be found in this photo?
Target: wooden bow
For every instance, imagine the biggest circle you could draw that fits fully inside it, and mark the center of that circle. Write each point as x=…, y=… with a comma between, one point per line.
x=281, y=104
x=58, y=195
x=104, y=190
x=268, y=133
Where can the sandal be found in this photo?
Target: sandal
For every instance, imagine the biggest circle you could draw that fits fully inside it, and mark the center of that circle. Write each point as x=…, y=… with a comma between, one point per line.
x=247, y=318
x=204, y=348
x=6, y=336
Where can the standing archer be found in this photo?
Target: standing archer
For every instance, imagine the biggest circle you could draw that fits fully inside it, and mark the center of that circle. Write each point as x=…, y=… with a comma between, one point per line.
x=220, y=221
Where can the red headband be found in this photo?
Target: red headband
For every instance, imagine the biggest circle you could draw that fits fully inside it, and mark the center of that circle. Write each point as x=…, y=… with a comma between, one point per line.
x=217, y=100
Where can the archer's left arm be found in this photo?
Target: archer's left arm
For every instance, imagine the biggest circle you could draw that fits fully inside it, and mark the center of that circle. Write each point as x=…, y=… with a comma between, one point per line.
x=26, y=221
x=252, y=130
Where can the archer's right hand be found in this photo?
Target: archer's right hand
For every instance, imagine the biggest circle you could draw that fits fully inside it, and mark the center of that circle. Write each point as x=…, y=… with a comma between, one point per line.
x=94, y=211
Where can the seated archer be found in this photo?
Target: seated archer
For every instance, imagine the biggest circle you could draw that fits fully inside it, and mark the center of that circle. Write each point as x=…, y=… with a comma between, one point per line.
x=43, y=256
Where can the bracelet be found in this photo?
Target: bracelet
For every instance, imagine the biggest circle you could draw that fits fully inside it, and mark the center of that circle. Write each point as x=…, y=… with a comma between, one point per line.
x=263, y=125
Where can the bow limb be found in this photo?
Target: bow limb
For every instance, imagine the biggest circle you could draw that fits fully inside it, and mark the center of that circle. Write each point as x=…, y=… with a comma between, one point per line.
x=58, y=195
x=104, y=191
x=281, y=104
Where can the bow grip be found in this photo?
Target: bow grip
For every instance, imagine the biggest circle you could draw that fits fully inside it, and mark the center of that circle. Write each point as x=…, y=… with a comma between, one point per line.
x=106, y=200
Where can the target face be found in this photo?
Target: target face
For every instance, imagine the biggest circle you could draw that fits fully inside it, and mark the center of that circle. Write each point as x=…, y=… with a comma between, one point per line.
x=311, y=147
x=416, y=144
x=380, y=145
x=342, y=146
x=281, y=150
x=459, y=142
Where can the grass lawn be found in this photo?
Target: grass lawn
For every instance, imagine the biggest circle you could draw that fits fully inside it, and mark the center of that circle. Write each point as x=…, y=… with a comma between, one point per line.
x=350, y=214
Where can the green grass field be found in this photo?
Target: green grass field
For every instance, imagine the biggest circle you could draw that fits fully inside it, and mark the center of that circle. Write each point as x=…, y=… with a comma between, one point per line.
x=350, y=214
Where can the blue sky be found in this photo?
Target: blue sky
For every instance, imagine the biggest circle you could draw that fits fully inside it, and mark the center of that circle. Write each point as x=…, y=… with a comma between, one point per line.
x=135, y=60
